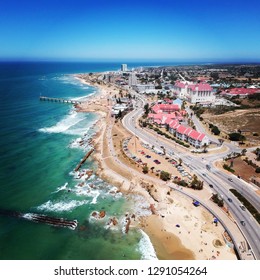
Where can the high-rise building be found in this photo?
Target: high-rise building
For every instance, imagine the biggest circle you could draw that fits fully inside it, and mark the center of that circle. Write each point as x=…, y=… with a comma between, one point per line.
x=123, y=67
x=132, y=80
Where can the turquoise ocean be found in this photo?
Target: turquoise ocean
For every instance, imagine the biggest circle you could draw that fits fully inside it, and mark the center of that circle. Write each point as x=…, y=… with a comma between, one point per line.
x=39, y=150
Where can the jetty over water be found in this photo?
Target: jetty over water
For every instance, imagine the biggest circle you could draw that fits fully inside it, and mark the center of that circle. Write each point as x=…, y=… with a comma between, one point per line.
x=39, y=218
x=60, y=100
x=84, y=159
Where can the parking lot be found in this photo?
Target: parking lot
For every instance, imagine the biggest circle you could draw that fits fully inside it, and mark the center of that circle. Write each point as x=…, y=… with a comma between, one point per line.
x=156, y=161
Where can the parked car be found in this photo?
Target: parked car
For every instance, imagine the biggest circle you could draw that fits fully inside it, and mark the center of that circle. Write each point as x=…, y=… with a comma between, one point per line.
x=243, y=207
x=230, y=179
x=211, y=185
x=229, y=199
x=243, y=223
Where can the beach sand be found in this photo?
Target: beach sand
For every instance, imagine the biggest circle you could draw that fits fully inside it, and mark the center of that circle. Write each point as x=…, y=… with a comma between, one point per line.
x=177, y=229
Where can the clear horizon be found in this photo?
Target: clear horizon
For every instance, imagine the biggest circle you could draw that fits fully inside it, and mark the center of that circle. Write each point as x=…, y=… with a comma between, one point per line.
x=111, y=31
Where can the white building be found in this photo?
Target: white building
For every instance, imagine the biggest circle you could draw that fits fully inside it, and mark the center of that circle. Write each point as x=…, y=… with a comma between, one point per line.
x=143, y=88
x=180, y=89
x=123, y=67
x=117, y=108
x=201, y=93
x=132, y=80
x=195, y=93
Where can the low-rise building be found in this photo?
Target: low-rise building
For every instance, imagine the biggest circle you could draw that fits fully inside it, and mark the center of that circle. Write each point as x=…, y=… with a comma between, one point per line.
x=185, y=133
x=141, y=88
x=165, y=108
x=241, y=92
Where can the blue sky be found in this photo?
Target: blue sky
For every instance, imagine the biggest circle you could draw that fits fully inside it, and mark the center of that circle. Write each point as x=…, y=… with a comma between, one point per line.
x=164, y=30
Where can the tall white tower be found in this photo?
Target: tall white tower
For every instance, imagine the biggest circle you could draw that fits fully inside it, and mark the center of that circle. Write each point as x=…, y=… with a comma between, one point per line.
x=123, y=67
x=132, y=80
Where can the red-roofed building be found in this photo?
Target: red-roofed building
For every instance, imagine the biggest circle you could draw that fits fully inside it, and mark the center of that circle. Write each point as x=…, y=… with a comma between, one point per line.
x=165, y=108
x=198, y=139
x=188, y=134
x=180, y=89
x=163, y=119
x=200, y=93
x=195, y=93
x=242, y=92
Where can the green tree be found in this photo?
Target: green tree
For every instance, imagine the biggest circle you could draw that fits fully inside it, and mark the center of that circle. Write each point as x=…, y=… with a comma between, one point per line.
x=235, y=136
x=165, y=176
x=146, y=108
x=220, y=203
x=119, y=115
x=215, y=130
x=196, y=184
x=145, y=169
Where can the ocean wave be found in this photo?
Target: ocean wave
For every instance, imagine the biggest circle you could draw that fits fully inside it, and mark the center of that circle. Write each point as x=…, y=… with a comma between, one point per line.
x=146, y=248
x=61, y=206
x=85, y=97
x=88, y=192
x=64, y=187
x=65, y=124
x=94, y=200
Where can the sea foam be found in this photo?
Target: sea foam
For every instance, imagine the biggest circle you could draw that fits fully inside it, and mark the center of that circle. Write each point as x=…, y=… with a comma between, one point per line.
x=64, y=187
x=146, y=248
x=65, y=124
x=61, y=206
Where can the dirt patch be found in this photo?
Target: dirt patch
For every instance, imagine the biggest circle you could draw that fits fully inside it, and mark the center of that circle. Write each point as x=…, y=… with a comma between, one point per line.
x=244, y=120
x=242, y=169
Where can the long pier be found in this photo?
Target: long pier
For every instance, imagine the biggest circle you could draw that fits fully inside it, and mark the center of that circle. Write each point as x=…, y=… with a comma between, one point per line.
x=60, y=100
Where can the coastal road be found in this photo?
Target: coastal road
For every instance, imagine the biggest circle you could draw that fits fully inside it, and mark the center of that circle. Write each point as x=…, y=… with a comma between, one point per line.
x=231, y=227
x=251, y=229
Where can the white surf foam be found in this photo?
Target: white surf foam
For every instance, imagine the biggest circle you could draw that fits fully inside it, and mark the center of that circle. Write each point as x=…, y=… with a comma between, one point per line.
x=146, y=248
x=62, y=188
x=28, y=216
x=61, y=206
x=94, y=200
x=77, y=131
x=65, y=124
x=88, y=192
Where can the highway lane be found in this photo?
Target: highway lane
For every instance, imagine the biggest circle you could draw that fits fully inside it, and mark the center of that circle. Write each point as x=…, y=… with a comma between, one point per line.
x=251, y=230
x=251, y=226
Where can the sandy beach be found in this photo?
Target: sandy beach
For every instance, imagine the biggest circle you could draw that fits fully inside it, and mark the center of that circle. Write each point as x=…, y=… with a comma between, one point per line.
x=177, y=229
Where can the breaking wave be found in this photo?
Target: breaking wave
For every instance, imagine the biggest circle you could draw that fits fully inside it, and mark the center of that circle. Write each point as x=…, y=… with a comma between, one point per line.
x=64, y=187
x=146, y=248
x=65, y=124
